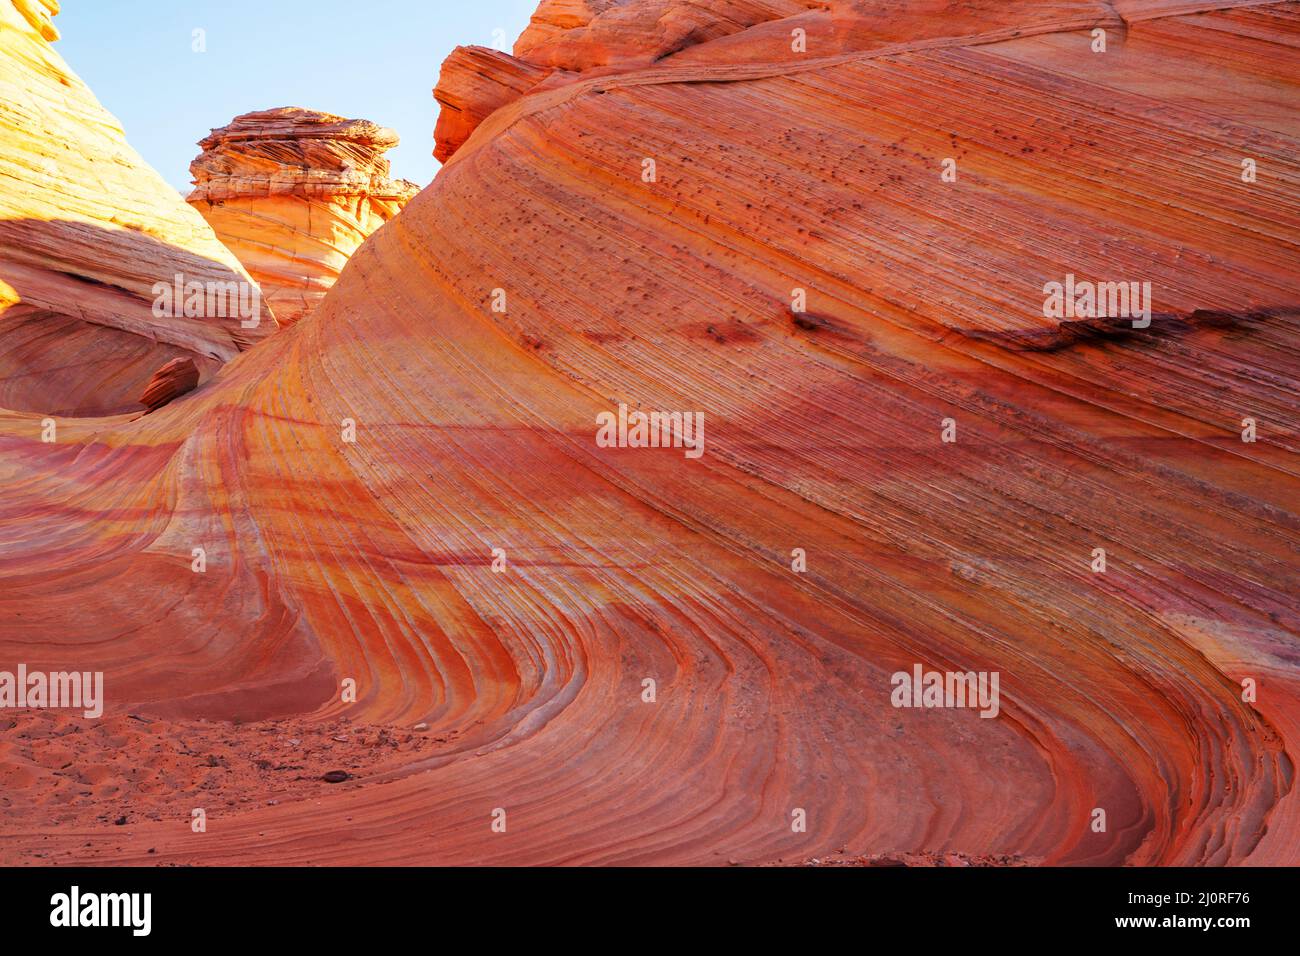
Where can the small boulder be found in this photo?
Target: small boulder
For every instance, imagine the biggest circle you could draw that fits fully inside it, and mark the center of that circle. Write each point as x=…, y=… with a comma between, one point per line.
x=173, y=380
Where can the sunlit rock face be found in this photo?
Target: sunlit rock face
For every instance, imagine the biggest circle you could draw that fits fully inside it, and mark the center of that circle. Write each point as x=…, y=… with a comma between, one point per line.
x=915, y=460
x=87, y=231
x=474, y=83
x=293, y=193
x=568, y=39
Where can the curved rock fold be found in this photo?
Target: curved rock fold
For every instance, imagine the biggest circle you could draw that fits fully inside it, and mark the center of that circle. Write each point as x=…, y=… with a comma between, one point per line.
x=906, y=463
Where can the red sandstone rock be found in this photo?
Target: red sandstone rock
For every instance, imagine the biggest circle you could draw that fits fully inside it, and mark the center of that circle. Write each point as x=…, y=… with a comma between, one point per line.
x=171, y=381
x=571, y=38
x=292, y=193
x=583, y=35
x=351, y=478
x=474, y=83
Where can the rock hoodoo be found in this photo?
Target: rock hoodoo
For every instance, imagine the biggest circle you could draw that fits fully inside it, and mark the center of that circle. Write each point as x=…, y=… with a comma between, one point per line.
x=293, y=193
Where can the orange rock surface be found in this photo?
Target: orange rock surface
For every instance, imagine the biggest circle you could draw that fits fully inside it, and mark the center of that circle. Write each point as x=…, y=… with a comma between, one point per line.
x=292, y=193
x=476, y=82
x=87, y=230
x=403, y=493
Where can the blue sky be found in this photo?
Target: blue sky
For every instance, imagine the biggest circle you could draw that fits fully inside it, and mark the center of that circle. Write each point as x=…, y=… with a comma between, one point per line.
x=368, y=59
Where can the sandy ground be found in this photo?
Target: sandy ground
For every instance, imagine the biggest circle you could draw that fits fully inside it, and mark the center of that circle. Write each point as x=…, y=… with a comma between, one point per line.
x=58, y=771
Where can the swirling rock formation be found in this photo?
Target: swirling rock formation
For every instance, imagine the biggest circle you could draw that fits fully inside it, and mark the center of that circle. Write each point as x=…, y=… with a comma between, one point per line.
x=292, y=193
x=396, y=513
x=87, y=231
x=570, y=38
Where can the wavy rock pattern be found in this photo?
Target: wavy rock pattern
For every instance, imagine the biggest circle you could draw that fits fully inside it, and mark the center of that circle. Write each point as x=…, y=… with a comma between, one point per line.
x=350, y=478
x=571, y=38
x=293, y=193
x=86, y=230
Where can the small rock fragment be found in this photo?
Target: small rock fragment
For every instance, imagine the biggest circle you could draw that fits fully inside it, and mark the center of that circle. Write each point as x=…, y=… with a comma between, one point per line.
x=170, y=382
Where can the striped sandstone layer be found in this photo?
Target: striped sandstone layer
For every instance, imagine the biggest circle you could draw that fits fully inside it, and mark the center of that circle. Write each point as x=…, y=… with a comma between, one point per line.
x=293, y=193
x=87, y=229
x=475, y=562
